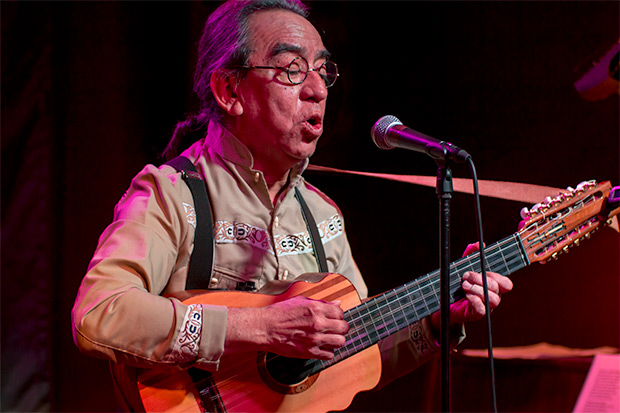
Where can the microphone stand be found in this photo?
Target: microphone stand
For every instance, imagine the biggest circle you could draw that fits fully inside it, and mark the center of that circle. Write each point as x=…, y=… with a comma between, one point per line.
x=444, y=193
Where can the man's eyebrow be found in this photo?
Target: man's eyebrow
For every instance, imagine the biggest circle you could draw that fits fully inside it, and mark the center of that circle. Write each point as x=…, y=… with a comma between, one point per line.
x=281, y=48
x=323, y=54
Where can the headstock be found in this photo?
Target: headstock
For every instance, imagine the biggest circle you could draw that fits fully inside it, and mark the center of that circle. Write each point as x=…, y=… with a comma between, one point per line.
x=552, y=227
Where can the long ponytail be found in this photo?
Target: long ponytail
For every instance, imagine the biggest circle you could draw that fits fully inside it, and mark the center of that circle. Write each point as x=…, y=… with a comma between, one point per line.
x=186, y=133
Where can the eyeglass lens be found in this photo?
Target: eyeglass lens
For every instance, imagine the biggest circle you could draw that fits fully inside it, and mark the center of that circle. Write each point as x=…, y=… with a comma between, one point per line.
x=298, y=69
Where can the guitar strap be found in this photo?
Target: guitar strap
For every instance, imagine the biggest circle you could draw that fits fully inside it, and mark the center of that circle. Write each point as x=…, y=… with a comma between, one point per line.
x=315, y=237
x=513, y=191
x=201, y=261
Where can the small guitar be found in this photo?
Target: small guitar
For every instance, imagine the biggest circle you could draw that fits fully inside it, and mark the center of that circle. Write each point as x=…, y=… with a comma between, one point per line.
x=251, y=382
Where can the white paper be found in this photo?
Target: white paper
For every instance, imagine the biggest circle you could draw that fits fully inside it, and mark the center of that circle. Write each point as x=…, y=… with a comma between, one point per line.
x=601, y=391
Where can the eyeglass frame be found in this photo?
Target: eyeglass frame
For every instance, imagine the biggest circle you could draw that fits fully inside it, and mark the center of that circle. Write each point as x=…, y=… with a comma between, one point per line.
x=288, y=73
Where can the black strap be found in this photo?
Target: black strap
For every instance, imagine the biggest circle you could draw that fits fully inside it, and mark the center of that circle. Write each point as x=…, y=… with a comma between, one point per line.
x=201, y=263
x=315, y=238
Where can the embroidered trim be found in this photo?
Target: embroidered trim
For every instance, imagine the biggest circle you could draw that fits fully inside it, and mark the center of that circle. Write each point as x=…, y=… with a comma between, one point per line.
x=293, y=244
x=190, y=214
x=330, y=228
x=186, y=346
x=419, y=339
x=227, y=232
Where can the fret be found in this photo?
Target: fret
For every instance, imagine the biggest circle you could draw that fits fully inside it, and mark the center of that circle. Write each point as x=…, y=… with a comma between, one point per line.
x=357, y=339
x=397, y=309
x=418, y=296
x=382, y=327
x=427, y=297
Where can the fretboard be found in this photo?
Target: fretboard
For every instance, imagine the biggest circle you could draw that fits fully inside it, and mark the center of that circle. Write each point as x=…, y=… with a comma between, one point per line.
x=397, y=309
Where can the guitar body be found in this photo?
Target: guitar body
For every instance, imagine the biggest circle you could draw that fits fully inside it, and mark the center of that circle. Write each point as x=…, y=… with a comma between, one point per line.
x=244, y=383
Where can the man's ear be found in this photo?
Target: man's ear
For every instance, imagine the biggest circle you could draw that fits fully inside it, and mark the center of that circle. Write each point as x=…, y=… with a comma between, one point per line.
x=224, y=87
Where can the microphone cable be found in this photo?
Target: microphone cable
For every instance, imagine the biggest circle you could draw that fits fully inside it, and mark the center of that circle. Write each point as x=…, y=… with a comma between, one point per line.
x=474, y=176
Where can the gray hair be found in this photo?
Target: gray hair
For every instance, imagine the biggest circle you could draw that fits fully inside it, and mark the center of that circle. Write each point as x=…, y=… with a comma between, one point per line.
x=224, y=44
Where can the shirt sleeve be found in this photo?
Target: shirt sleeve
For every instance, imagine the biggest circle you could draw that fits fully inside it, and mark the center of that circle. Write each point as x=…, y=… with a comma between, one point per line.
x=119, y=313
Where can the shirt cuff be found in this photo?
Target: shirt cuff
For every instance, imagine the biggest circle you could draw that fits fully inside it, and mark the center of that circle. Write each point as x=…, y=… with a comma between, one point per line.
x=213, y=335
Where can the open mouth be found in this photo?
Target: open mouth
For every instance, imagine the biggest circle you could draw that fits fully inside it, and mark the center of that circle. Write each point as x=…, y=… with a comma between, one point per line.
x=314, y=121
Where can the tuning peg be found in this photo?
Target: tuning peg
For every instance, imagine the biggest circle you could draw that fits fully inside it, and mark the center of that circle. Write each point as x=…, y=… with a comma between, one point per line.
x=525, y=213
x=536, y=208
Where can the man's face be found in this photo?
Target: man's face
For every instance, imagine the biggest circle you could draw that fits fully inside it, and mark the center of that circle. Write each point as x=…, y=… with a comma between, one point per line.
x=281, y=123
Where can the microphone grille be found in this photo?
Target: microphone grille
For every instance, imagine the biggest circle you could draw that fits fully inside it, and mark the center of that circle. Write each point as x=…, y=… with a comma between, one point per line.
x=380, y=130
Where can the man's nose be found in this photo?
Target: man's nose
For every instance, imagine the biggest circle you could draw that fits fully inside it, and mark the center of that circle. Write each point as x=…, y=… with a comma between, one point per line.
x=314, y=87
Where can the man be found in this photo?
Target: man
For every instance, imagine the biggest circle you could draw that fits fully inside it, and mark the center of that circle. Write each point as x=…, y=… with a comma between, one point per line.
x=262, y=77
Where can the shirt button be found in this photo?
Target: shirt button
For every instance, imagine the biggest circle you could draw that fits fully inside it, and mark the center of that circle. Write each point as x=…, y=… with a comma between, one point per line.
x=257, y=177
x=284, y=274
x=214, y=282
x=276, y=222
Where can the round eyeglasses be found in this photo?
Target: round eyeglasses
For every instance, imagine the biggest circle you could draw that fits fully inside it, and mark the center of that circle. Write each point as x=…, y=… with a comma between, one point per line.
x=297, y=71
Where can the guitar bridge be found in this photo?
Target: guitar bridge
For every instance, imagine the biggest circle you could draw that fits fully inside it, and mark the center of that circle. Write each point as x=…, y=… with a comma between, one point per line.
x=209, y=394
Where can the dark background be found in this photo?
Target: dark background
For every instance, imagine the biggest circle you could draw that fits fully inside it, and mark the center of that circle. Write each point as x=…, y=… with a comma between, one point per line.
x=92, y=90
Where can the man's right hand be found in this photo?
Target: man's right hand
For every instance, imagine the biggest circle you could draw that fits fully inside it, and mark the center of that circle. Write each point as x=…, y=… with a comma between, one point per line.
x=297, y=327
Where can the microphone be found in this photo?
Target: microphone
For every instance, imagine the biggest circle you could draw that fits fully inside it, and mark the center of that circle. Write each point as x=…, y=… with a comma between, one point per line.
x=390, y=133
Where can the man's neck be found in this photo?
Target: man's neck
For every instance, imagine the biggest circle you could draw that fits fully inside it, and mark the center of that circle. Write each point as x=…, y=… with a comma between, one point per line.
x=276, y=181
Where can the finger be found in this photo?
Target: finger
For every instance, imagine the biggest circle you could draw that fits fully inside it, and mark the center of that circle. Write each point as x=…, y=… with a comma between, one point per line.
x=475, y=279
x=475, y=308
x=326, y=309
x=496, y=282
x=334, y=311
x=504, y=283
x=471, y=248
x=332, y=326
x=321, y=354
x=330, y=341
x=324, y=345
x=476, y=290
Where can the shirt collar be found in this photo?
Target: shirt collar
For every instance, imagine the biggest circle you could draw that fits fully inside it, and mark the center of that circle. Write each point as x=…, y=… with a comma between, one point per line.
x=229, y=147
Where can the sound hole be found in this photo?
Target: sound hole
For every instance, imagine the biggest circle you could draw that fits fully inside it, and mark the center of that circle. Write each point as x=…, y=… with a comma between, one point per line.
x=285, y=375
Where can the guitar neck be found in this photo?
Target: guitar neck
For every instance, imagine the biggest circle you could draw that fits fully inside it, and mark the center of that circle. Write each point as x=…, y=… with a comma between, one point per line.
x=396, y=309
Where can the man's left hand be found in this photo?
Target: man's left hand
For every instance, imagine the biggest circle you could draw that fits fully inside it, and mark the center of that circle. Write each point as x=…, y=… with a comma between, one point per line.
x=472, y=308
